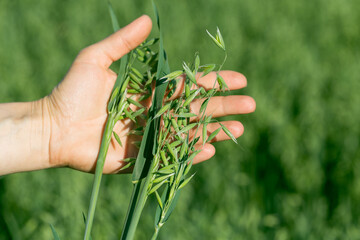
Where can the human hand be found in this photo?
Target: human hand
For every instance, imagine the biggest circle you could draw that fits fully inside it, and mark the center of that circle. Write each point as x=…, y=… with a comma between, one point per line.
x=66, y=126
x=77, y=107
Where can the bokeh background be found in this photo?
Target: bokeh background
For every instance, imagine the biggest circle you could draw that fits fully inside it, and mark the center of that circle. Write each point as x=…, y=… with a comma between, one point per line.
x=295, y=173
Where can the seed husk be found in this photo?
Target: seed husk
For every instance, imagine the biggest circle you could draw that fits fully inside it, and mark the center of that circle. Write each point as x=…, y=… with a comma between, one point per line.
x=117, y=138
x=191, y=97
x=132, y=101
x=159, y=179
x=162, y=110
x=206, y=69
x=137, y=73
x=189, y=73
x=156, y=187
x=213, y=134
x=227, y=131
x=186, y=181
x=138, y=112
x=164, y=158
x=172, y=152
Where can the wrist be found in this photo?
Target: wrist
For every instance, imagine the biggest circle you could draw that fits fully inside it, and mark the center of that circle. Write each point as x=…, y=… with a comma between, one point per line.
x=24, y=137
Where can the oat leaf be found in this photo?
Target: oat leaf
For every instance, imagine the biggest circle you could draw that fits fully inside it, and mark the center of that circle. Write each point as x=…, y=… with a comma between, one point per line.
x=55, y=234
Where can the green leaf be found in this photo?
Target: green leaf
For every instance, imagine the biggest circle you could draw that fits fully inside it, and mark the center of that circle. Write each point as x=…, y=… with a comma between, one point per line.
x=114, y=20
x=172, y=205
x=228, y=133
x=55, y=234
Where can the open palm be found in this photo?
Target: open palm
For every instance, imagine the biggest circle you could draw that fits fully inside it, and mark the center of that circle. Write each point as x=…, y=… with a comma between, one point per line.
x=77, y=106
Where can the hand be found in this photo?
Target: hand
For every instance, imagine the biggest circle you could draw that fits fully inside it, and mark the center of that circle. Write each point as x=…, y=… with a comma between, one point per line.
x=75, y=112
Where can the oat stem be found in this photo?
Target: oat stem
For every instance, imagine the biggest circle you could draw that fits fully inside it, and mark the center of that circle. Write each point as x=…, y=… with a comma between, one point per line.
x=156, y=233
x=138, y=200
x=105, y=142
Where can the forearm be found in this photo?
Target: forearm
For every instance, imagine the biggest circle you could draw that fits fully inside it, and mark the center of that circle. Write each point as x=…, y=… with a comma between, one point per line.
x=24, y=137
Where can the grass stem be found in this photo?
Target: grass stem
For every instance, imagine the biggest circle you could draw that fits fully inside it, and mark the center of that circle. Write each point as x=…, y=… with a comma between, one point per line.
x=105, y=142
x=137, y=203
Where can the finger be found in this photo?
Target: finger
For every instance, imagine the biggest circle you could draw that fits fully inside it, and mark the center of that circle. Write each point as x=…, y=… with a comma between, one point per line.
x=235, y=127
x=207, y=151
x=224, y=105
x=118, y=44
x=233, y=80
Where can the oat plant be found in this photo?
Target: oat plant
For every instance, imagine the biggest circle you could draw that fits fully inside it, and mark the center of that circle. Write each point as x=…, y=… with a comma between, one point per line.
x=168, y=146
x=171, y=131
x=130, y=83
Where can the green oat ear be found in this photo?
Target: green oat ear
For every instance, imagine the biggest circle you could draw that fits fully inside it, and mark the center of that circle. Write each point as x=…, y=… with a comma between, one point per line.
x=148, y=146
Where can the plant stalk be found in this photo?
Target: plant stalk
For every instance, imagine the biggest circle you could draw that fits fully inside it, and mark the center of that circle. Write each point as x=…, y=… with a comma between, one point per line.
x=156, y=233
x=138, y=200
x=105, y=142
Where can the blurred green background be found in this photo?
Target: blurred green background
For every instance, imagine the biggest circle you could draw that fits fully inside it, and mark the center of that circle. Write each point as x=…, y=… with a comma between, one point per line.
x=296, y=171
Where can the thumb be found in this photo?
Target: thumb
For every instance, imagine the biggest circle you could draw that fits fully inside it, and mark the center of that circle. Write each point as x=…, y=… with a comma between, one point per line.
x=112, y=48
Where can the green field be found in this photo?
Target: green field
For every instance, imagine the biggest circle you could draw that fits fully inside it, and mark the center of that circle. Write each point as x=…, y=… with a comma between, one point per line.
x=295, y=173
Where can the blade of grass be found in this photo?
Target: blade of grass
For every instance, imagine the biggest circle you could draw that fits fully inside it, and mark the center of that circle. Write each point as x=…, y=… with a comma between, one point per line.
x=55, y=234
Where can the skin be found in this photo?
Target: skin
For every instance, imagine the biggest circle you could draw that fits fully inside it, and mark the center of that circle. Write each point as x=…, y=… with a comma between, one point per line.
x=64, y=129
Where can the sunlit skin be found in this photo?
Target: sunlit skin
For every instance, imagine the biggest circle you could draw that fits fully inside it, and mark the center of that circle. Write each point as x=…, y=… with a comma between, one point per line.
x=65, y=128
